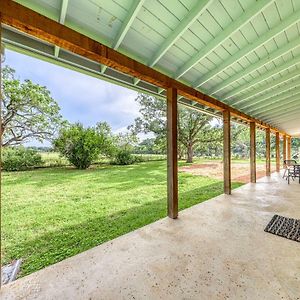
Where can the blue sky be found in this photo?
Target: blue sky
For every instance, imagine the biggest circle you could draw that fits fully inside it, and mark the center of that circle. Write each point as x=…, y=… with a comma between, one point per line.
x=81, y=98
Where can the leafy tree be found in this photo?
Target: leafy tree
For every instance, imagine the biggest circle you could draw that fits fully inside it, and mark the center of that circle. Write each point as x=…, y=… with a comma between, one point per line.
x=213, y=147
x=127, y=140
x=153, y=119
x=193, y=127
x=106, y=139
x=28, y=111
x=295, y=148
x=241, y=142
x=148, y=146
x=145, y=146
x=81, y=146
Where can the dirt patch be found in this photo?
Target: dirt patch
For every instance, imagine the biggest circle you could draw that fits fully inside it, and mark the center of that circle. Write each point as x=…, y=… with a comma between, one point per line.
x=200, y=166
x=246, y=178
x=240, y=172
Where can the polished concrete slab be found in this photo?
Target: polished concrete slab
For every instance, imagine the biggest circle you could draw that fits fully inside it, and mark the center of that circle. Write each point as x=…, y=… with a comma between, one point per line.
x=214, y=250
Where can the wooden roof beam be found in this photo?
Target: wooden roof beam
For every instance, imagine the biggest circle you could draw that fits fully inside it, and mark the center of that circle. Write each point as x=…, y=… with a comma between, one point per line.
x=39, y=26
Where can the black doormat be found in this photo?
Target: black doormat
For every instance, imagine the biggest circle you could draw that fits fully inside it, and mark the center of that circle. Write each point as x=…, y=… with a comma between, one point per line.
x=285, y=227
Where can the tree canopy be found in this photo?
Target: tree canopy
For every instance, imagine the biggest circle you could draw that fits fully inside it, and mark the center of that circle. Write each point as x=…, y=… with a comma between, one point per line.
x=28, y=111
x=194, y=128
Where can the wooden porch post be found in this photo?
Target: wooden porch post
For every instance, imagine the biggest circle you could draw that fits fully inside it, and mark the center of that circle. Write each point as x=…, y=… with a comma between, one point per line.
x=226, y=152
x=253, y=151
x=268, y=152
x=172, y=166
x=289, y=148
x=284, y=147
x=277, y=153
x=0, y=148
x=1, y=245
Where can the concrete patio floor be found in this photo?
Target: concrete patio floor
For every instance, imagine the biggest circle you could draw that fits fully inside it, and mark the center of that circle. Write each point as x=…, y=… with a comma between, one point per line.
x=215, y=250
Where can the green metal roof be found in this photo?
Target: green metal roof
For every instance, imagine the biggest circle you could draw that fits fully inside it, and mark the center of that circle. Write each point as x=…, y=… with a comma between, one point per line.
x=245, y=53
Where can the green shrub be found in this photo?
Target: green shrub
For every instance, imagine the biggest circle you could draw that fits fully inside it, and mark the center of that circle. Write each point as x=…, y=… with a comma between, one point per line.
x=81, y=146
x=20, y=159
x=124, y=157
x=139, y=159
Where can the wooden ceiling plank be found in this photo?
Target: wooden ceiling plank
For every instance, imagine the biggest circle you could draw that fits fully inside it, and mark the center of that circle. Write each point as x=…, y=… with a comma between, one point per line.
x=189, y=19
x=255, y=66
x=267, y=36
x=215, y=42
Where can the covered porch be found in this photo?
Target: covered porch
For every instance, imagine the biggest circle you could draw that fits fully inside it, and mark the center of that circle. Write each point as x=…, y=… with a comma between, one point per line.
x=215, y=250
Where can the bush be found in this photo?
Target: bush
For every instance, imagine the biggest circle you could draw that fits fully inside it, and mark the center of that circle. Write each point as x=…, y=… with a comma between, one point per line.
x=124, y=157
x=81, y=146
x=20, y=159
x=138, y=159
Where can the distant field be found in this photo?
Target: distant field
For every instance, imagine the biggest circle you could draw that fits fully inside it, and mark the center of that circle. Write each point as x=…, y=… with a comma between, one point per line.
x=53, y=159
x=50, y=214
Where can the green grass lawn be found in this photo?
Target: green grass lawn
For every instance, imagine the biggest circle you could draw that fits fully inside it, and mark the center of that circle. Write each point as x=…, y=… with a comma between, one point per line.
x=53, y=213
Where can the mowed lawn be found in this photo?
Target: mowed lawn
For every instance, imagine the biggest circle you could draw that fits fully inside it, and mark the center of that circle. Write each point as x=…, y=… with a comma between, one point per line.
x=53, y=213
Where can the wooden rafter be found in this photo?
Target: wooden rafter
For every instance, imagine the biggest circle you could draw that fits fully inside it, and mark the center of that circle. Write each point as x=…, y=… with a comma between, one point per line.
x=62, y=17
x=136, y=6
x=288, y=47
x=263, y=39
x=223, y=35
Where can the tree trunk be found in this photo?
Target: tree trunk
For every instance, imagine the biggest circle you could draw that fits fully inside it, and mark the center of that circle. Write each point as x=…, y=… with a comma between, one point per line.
x=190, y=153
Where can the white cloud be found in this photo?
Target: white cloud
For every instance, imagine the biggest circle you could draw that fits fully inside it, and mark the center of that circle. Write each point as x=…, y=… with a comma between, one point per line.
x=82, y=98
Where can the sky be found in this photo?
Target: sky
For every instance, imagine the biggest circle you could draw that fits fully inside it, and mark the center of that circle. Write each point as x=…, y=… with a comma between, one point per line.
x=82, y=98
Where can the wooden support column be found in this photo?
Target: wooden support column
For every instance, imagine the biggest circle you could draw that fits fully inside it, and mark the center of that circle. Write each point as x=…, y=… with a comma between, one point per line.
x=1, y=57
x=226, y=152
x=284, y=147
x=172, y=153
x=277, y=153
x=289, y=147
x=268, y=152
x=253, y=151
